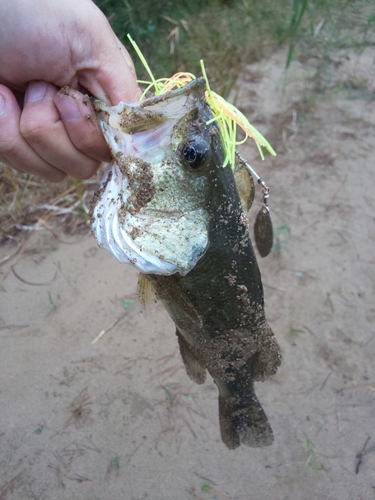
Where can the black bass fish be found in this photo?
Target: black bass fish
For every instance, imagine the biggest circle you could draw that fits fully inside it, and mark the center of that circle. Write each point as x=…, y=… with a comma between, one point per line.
x=168, y=207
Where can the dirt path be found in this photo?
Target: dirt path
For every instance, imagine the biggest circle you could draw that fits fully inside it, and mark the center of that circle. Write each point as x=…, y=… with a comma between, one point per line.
x=119, y=419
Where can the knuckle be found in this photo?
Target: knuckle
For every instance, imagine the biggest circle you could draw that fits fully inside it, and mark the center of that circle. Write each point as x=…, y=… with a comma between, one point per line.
x=56, y=177
x=50, y=173
x=84, y=172
x=9, y=146
x=90, y=172
x=86, y=141
x=32, y=129
x=85, y=176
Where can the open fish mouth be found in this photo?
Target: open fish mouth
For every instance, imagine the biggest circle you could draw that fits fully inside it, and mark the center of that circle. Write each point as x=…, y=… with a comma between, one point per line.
x=151, y=209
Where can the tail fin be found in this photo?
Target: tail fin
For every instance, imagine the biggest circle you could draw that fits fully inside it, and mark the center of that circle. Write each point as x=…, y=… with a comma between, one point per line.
x=243, y=421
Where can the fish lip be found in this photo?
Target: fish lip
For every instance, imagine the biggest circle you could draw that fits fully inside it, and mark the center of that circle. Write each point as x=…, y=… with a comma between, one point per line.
x=195, y=85
x=142, y=116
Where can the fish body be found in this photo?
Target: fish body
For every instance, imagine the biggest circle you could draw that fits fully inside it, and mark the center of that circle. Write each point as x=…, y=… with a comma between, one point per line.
x=213, y=294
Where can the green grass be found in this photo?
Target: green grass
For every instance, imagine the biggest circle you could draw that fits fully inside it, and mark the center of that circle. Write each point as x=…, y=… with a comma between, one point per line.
x=313, y=459
x=295, y=332
x=281, y=239
x=175, y=35
x=322, y=29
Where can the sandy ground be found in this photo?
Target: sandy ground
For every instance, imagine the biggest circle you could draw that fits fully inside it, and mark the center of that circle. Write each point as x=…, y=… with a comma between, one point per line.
x=119, y=419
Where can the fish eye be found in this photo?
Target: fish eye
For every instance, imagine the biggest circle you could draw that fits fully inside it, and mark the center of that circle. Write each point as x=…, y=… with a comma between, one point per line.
x=194, y=153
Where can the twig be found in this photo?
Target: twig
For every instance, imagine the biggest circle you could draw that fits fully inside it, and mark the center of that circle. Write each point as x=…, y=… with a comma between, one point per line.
x=213, y=485
x=91, y=361
x=361, y=454
x=43, y=222
x=8, y=487
x=307, y=391
x=59, y=473
x=166, y=358
x=137, y=448
x=79, y=408
x=126, y=367
x=10, y=256
x=189, y=427
x=13, y=327
x=106, y=330
x=29, y=282
x=274, y=288
x=193, y=494
x=325, y=381
x=355, y=386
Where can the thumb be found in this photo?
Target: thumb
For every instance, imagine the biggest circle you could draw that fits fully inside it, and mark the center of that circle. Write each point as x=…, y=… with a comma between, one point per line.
x=114, y=79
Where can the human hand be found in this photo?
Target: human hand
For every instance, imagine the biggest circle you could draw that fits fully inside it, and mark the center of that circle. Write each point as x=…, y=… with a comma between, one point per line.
x=46, y=45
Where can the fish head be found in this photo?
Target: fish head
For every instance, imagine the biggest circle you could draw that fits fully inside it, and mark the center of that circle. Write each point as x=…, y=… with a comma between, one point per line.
x=152, y=209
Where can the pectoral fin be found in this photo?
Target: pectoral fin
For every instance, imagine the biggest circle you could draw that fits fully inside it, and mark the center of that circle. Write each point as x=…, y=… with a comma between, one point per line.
x=146, y=294
x=176, y=302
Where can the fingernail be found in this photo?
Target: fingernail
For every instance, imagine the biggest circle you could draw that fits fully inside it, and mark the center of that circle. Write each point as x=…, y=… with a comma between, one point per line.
x=2, y=105
x=35, y=91
x=68, y=108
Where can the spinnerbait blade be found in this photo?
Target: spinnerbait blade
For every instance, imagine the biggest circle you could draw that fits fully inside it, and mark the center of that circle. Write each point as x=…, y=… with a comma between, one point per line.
x=263, y=231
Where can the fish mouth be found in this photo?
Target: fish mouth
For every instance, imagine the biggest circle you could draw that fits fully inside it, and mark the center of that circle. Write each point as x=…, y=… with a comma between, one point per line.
x=150, y=212
x=149, y=113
